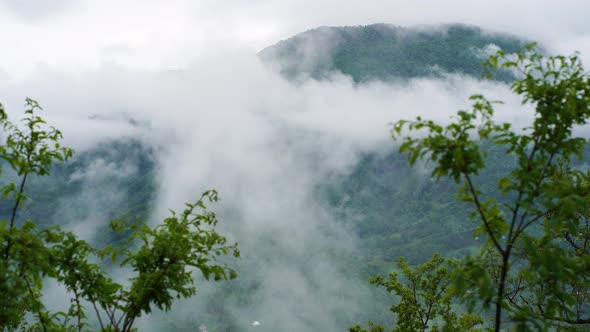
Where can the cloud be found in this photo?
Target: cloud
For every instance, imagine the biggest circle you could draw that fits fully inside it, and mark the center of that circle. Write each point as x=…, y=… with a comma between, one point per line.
x=35, y=10
x=170, y=35
x=229, y=122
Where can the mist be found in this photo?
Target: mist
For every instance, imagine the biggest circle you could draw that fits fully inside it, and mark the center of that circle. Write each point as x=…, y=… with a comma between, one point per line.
x=231, y=123
x=185, y=81
x=80, y=35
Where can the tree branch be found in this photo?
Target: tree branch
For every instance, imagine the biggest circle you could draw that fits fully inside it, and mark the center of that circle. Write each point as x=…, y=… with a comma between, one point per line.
x=482, y=215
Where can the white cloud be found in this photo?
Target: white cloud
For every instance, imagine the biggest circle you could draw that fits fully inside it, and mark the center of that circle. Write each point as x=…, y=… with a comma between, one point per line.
x=169, y=35
x=230, y=123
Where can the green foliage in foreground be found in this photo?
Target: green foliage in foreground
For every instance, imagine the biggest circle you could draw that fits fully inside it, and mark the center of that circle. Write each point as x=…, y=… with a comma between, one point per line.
x=160, y=259
x=533, y=264
x=425, y=302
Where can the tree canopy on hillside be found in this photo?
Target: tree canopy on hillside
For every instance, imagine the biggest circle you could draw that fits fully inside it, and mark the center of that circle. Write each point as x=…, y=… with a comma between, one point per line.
x=532, y=268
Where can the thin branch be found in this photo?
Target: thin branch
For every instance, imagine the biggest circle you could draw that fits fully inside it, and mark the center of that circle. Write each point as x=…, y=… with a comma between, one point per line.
x=98, y=316
x=41, y=321
x=482, y=215
x=577, y=321
x=122, y=318
x=571, y=241
x=111, y=315
x=78, y=309
x=521, y=226
x=14, y=212
x=128, y=323
x=520, y=193
x=529, y=223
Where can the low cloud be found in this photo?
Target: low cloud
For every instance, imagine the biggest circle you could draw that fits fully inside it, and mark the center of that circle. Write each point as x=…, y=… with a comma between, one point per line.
x=231, y=123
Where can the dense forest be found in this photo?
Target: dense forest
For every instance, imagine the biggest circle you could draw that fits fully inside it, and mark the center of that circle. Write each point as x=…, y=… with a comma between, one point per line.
x=387, y=52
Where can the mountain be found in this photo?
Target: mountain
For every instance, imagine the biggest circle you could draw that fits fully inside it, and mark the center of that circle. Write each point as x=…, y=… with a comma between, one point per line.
x=387, y=52
x=111, y=180
x=394, y=209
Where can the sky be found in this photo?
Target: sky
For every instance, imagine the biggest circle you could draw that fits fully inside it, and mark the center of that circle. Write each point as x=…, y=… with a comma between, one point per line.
x=168, y=35
x=218, y=118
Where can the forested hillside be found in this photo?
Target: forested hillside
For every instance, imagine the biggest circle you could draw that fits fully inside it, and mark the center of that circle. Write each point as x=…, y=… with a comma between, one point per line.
x=388, y=52
x=113, y=180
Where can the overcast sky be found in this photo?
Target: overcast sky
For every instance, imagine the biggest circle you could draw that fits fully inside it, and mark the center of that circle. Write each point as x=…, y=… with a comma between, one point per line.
x=73, y=35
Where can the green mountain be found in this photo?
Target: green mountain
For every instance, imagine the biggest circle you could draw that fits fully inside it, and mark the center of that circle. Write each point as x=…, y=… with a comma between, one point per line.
x=387, y=52
x=394, y=209
x=113, y=179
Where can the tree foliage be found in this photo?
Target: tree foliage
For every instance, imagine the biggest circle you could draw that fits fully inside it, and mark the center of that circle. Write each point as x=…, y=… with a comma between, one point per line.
x=161, y=259
x=425, y=299
x=534, y=261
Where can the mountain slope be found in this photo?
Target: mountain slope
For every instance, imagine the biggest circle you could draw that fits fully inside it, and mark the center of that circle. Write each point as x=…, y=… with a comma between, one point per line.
x=387, y=52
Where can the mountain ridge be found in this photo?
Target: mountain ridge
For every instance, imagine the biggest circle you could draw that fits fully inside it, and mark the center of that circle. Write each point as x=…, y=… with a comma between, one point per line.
x=387, y=52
